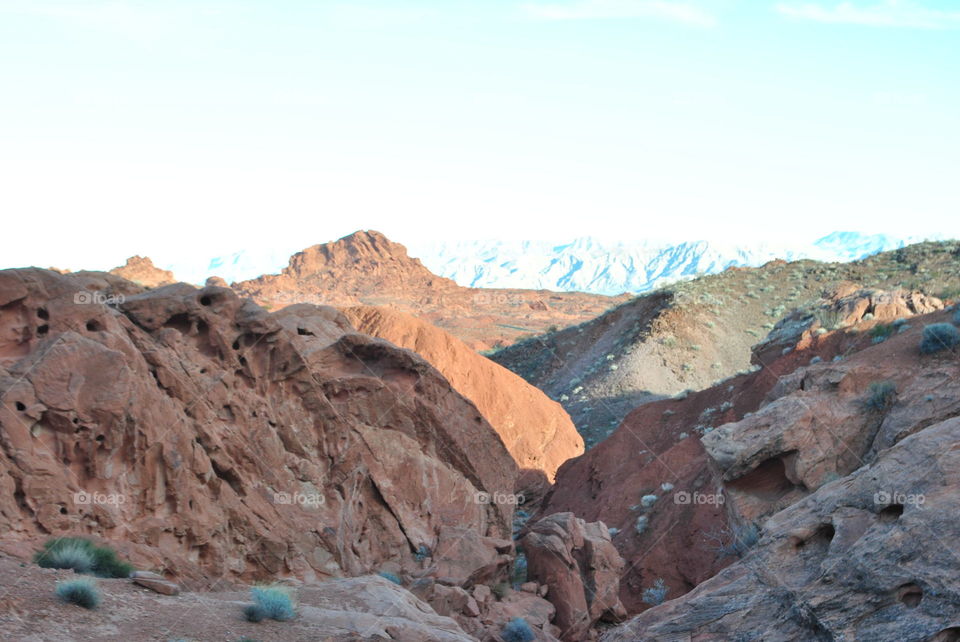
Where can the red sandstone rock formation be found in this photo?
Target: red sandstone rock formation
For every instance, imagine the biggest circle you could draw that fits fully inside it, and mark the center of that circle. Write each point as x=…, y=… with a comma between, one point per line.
x=848, y=305
x=537, y=431
x=141, y=270
x=681, y=478
x=341, y=273
x=366, y=268
x=197, y=432
x=866, y=556
x=580, y=567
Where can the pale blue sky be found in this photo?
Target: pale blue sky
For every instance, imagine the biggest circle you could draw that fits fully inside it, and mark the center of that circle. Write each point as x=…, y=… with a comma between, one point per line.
x=175, y=127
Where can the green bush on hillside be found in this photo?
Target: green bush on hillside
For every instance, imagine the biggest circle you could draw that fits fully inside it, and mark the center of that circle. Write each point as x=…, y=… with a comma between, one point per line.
x=83, y=556
x=939, y=336
x=80, y=592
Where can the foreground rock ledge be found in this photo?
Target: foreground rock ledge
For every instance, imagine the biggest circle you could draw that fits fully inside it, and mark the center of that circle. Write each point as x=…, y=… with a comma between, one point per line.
x=871, y=556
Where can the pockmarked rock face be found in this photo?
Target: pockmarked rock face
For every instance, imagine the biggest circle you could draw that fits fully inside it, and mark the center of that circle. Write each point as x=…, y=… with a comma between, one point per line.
x=536, y=430
x=870, y=556
x=196, y=432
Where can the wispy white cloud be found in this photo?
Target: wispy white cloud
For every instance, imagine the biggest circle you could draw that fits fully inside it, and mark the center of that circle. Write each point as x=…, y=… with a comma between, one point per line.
x=613, y=9
x=883, y=13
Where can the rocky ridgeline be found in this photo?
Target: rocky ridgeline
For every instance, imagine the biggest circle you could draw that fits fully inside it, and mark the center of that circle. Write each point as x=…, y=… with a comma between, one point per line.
x=808, y=500
x=367, y=268
x=690, y=335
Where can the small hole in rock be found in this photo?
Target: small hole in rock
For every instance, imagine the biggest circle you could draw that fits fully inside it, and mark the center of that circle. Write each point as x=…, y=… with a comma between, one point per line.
x=93, y=326
x=205, y=300
x=20, y=406
x=910, y=595
x=891, y=513
x=43, y=314
x=947, y=635
x=43, y=329
x=63, y=510
x=100, y=438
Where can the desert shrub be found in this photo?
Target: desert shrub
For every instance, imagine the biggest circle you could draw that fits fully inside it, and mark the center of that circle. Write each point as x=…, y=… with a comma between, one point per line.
x=641, y=524
x=829, y=318
x=64, y=552
x=274, y=602
x=519, y=574
x=956, y=317
x=390, y=577
x=949, y=293
x=881, y=395
x=254, y=613
x=80, y=592
x=517, y=630
x=939, y=336
x=881, y=332
x=71, y=555
x=500, y=590
x=655, y=594
x=735, y=541
x=423, y=552
x=106, y=563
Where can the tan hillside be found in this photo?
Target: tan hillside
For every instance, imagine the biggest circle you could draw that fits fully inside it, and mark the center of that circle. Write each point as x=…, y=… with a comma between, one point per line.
x=537, y=431
x=692, y=334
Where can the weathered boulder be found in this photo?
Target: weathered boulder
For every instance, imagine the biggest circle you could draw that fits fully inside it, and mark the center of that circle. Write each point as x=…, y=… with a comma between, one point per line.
x=581, y=567
x=155, y=582
x=372, y=608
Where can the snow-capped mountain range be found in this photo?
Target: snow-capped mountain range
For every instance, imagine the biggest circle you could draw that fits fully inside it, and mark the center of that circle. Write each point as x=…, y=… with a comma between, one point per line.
x=584, y=264
x=588, y=265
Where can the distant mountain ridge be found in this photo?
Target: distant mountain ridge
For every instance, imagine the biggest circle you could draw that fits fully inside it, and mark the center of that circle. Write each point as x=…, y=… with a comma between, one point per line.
x=590, y=265
x=585, y=264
